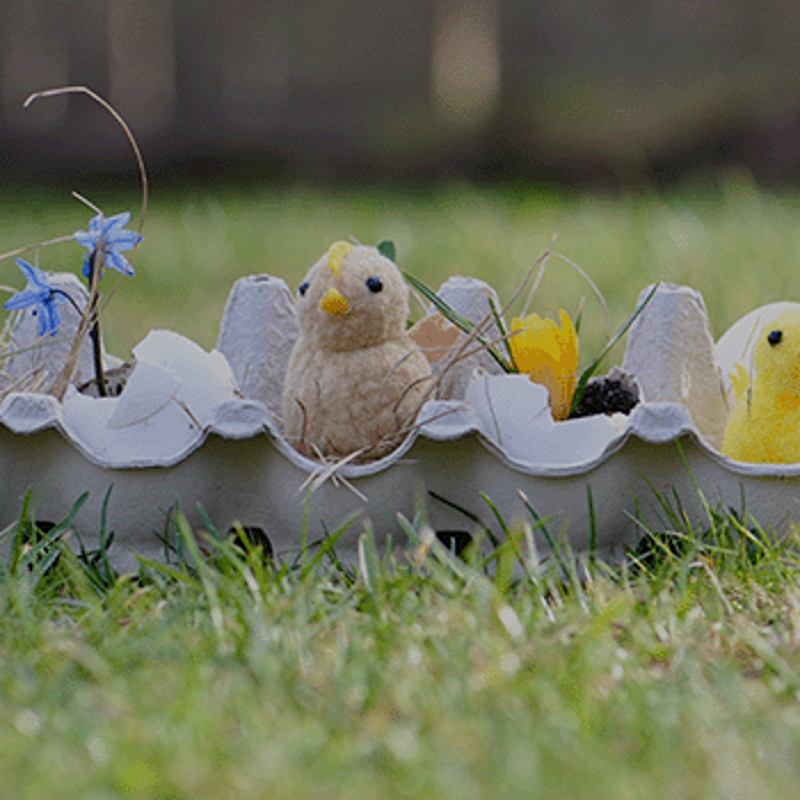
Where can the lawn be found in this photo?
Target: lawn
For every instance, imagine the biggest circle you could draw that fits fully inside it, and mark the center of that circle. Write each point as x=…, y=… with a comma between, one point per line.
x=413, y=674
x=736, y=245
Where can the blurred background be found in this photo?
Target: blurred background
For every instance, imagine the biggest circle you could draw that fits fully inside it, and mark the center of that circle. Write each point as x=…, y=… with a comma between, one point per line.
x=656, y=139
x=608, y=92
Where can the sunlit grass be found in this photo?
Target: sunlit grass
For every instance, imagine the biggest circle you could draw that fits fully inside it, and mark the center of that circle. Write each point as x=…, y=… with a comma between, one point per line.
x=676, y=676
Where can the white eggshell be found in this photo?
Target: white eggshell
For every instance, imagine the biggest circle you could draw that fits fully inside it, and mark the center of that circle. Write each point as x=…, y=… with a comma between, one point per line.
x=148, y=389
x=514, y=412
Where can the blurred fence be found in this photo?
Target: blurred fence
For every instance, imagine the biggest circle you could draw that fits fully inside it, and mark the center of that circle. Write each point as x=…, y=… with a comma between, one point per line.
x=386, y=88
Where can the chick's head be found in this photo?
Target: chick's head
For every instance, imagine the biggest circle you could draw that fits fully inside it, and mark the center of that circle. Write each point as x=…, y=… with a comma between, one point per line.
x=352, y=298
x=776, y=360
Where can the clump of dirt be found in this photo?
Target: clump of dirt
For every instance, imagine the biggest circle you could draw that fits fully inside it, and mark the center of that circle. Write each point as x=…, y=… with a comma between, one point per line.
x=617, y=392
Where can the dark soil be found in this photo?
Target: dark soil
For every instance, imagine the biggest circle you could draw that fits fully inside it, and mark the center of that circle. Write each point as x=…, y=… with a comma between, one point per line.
x=607, y=395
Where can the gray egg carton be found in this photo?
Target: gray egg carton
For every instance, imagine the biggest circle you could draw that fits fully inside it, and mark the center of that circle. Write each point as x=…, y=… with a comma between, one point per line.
x=200, y=432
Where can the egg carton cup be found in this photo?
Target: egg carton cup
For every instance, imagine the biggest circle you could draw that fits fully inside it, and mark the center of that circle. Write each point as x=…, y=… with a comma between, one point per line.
x=200, y=432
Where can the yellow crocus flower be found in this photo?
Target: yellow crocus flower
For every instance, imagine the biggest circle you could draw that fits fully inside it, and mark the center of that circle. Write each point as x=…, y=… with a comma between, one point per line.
x=548, y=354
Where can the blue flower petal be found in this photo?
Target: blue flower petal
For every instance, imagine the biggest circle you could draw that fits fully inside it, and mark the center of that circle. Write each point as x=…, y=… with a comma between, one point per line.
x=21, y=299
x=85, y=239
x=33, y=275
x=116, y=223
x=119, y=263
x=115, y=240
x=40, y=294
x=50, y=319
x=28, y=270
x=126, y=240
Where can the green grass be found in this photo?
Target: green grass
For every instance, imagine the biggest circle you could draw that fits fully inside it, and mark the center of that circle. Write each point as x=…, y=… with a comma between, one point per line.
x=675, y=676
x=736, y=245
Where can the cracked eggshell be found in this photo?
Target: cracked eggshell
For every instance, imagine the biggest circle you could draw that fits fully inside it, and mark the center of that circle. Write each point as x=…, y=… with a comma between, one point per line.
x=515, y=414
x=204, y=379
x=168, y=401
x=470, y=298
x=148, y=389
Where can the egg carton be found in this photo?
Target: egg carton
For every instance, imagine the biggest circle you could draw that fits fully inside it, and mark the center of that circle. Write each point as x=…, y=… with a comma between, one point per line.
x=200, y=431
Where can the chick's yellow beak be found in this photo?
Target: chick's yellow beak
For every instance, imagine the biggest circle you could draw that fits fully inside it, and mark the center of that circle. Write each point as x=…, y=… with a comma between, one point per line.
x=335, y=303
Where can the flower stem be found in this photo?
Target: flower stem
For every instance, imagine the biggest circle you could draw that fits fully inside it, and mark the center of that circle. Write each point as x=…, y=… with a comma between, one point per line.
x=94, y=335
x=95, y=265
x=68, y=298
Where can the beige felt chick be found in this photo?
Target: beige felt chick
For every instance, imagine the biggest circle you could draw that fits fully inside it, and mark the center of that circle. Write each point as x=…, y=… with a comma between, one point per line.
x=355, y=380
x=764, y=426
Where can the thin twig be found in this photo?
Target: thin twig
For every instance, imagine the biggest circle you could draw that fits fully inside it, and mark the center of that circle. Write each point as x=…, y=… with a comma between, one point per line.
x=411, y=386
x=456, y=354
x=476, y=350
x=88, y=203
x=540, y=263
x=90, y=322
x=118, y=117
x=396, y=438
x=591, y=283
x=86, y=323
x=328, y=471
x=20, y=250
x=184, y=407
x=305, y=421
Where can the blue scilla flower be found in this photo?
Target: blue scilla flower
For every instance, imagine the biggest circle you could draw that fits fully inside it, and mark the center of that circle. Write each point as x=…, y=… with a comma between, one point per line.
x=37, y=293
x=115, y=240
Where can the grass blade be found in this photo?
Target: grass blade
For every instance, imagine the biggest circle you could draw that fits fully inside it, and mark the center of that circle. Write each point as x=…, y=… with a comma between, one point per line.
x=460, y=321
x=592, y=368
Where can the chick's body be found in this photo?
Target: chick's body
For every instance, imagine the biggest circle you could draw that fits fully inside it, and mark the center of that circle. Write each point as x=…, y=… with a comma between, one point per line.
x=355, y=379
x=764, y=426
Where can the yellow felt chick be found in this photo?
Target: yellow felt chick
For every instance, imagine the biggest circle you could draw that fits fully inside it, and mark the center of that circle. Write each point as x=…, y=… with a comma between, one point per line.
x=764, y=426
x=355, y=380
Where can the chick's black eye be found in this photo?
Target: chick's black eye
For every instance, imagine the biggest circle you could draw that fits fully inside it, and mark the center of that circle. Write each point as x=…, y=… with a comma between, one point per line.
x=302, y=289
x=374, y=285
x=774, y=337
